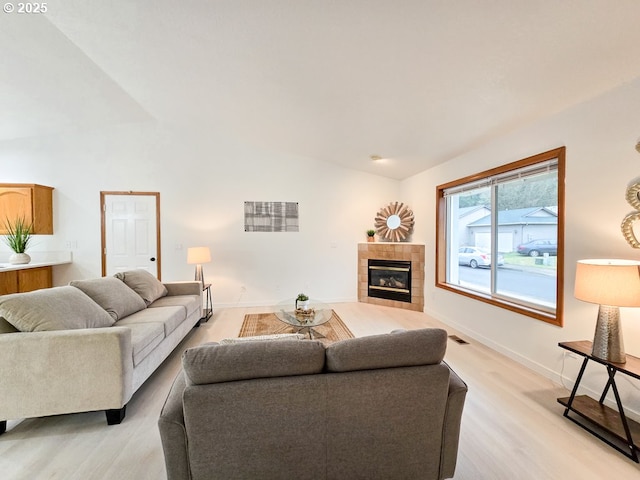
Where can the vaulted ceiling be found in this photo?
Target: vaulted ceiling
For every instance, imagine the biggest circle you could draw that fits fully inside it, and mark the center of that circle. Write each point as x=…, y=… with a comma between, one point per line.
x=416, y=82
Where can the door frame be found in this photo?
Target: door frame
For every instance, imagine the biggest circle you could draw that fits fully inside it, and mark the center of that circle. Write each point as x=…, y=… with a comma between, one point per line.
x=103, y=228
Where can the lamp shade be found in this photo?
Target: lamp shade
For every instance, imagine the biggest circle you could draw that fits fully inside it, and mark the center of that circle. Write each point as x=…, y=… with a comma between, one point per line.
x=608, y=282
x=198, y=255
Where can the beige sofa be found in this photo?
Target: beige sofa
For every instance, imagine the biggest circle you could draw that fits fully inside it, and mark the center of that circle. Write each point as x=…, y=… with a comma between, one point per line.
x=89, y=345
x=377, y=407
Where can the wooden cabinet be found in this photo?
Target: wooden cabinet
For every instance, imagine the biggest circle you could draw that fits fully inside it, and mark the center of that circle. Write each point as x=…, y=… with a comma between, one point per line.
x=25, y=280
x=8, y=282
x=32, y=202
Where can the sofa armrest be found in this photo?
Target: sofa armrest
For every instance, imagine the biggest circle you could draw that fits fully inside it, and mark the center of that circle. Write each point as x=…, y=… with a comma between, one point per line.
x=452, y=420
x=184, y=288
x=173, y=433
x=64, y=371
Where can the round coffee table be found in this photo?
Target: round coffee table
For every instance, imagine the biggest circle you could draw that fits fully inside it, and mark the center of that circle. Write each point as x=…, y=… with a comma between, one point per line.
x=303, y=321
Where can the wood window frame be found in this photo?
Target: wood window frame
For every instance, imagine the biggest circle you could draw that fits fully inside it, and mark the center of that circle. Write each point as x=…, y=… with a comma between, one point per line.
x=556, y=318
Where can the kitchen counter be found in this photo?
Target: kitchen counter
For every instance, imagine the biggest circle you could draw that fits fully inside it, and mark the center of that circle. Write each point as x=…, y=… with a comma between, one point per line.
x=30, y=276
x=7, y=267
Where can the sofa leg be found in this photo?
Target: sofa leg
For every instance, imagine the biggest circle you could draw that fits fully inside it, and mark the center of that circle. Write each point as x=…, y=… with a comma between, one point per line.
x=3, y=426
x=116, y=415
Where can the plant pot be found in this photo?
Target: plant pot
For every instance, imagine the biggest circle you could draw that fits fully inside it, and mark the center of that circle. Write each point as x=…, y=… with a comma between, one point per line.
x=19, y=259
x=302, y=304
x=371, y=239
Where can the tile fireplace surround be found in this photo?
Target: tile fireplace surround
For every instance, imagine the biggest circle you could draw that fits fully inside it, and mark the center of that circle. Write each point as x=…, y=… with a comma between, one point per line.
x=413, y=252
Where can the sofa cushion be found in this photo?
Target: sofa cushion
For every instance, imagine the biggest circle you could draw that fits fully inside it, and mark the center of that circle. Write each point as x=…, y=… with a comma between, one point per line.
x=145, y=337
x=111, y=294
x=57, y=308
x=170, y=317
x=214, y=363
x=191, y=303
x=399, y=349
x=144, y=284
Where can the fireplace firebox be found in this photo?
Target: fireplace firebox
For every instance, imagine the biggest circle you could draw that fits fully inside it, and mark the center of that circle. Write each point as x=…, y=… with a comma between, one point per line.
x=390, y=279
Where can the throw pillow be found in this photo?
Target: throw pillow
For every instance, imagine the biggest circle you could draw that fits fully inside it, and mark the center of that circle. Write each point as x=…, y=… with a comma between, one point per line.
x=113, y=295
x=144, y=284
x=57, y=308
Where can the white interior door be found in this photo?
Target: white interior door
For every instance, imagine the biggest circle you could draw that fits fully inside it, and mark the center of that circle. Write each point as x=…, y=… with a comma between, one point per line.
x=131, y=232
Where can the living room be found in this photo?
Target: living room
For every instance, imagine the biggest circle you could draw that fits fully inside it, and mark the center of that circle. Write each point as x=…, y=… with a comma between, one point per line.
x=181, y=101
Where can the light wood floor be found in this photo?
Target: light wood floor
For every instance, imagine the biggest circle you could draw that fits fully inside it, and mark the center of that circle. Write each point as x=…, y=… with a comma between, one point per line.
x=512, y=427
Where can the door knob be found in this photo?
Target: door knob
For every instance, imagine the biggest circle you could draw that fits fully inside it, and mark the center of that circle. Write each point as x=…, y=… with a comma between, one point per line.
x=153, y=259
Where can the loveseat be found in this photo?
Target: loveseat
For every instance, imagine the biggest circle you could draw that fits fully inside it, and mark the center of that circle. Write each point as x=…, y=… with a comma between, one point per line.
x=376, y=407
x=91, y=344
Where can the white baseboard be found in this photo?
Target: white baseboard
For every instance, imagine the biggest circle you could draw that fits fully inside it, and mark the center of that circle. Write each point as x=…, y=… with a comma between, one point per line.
x=554, y=376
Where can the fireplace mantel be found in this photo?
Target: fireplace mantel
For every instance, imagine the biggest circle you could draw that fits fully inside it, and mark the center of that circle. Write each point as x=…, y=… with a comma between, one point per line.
x=413, y=252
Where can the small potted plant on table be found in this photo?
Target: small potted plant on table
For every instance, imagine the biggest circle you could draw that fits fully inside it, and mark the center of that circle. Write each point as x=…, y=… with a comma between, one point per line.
x=370, y=235
x=302, y=302
x=18, y=238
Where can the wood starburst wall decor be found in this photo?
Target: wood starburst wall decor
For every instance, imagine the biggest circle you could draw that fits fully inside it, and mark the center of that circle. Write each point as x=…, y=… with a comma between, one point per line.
x=394, y=222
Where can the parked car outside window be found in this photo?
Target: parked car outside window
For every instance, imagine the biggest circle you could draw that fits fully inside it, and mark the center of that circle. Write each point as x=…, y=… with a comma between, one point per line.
x=535, y=248
x=476, y=257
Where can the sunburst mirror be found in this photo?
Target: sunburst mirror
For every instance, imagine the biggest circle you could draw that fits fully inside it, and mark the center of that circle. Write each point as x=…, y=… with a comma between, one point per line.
x=394, y=222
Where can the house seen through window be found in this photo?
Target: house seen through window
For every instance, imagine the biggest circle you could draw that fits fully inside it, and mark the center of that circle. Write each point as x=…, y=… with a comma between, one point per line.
x=516, y=211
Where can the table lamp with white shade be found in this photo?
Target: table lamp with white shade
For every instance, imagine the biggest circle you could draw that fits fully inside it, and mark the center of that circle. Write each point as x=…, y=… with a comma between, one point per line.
x=610, y=284
x=198, y=256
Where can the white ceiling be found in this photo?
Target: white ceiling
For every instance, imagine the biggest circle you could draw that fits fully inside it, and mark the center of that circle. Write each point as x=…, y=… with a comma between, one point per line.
x=415, y=81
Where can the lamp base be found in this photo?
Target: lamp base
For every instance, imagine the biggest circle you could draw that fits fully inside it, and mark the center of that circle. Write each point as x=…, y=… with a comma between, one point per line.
x=199, y=275
x=607, y=341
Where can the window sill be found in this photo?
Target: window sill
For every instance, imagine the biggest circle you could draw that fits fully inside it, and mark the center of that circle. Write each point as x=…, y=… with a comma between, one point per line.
x=551, y=318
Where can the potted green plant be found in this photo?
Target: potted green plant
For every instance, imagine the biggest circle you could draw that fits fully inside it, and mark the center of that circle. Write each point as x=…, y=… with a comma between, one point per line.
x=370, y=235
x=18, y=238
x=302, y=302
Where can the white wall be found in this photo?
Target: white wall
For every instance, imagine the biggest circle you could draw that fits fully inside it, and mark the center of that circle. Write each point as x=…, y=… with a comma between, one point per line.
x=203, y=182
x=600, y=137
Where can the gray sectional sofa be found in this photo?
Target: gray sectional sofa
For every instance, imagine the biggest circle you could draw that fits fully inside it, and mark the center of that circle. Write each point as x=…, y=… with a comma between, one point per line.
x=377, y=407
x=89, y=345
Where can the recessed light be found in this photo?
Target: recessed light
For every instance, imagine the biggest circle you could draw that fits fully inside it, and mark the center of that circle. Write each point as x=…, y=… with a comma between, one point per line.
x=375, y=158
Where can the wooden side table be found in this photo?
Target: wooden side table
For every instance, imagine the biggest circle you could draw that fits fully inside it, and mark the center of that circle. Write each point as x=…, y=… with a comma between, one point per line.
x=609, y=425
x=208, y=309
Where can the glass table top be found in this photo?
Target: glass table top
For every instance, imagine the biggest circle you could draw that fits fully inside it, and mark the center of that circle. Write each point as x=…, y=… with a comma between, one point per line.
x=316, y=314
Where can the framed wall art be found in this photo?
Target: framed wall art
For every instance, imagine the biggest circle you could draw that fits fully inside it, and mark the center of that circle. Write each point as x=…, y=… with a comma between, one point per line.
x=271, y=216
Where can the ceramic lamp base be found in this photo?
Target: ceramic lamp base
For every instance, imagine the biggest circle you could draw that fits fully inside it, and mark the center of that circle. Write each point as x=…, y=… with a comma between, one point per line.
x=607, y=341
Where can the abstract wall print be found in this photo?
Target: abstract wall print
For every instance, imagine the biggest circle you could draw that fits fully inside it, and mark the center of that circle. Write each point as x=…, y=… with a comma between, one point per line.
x=270, y=216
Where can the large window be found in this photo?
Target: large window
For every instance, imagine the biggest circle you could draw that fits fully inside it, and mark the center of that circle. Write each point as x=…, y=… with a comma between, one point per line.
x=500, y=236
